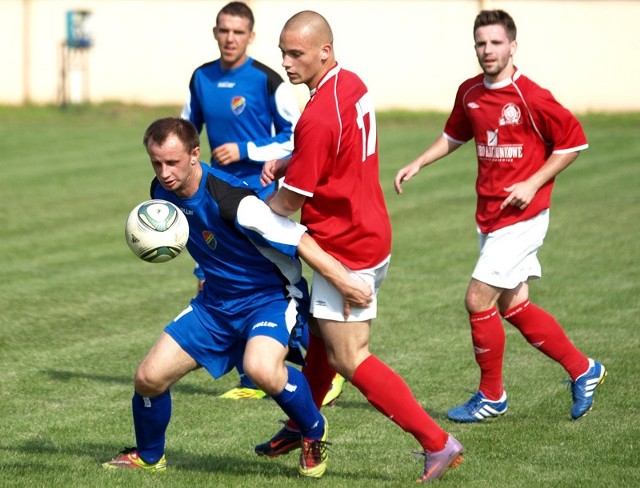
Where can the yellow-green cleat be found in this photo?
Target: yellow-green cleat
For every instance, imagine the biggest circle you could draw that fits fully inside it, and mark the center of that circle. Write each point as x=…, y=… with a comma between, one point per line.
x=243, y=393
x=128, y=458
x=335, y=391
x=313, y=458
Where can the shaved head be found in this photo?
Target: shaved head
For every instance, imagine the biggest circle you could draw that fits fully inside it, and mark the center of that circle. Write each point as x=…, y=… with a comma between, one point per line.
x=312, y=25
x=306, y=43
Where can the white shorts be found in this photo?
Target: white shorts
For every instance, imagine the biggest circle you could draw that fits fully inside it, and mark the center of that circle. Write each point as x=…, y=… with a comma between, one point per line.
x=327, y=302
x=508, y=256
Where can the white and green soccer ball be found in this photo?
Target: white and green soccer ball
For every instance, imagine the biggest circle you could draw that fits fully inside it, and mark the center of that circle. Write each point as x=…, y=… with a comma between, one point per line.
x=156, y=231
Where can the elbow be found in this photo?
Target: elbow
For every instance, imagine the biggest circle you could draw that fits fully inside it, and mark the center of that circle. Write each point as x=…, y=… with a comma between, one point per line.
x=289, y=208
x=281, y=208
x=284, y=204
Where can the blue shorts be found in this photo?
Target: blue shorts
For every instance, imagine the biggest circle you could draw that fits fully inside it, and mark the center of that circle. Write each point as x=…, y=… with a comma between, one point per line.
x=215, y=334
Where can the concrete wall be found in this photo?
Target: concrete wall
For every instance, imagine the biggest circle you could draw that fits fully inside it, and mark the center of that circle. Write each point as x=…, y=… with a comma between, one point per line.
x=413, y=53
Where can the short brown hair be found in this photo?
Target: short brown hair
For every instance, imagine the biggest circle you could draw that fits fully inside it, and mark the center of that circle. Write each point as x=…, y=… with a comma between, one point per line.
x=496, y=17
x=159, y=130
x=237, y=9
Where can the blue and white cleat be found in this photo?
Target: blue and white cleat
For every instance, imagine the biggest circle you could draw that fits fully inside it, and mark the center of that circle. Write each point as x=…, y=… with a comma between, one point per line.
x=478, y=408
x=583, y=388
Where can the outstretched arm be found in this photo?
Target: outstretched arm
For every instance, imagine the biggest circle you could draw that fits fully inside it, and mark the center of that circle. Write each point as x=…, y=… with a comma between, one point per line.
x=439, y=149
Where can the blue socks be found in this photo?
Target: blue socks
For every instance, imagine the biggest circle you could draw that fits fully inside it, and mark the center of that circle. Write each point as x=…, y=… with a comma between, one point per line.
x=296, y=401
x=150, y=419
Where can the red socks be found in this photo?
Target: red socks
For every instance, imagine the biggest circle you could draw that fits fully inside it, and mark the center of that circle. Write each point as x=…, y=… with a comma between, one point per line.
x=391, y=396
x=487, y=335
x=544, y=332
x=317, y=370
x=537, y=326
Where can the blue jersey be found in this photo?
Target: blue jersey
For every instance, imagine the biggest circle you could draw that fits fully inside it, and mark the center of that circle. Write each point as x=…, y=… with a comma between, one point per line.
x=242, y=247
x=249, y=105
x=253, y=277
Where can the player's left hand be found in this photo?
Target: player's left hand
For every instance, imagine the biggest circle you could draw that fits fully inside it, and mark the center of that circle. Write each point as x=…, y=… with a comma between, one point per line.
x=520, y=195
x=226, y=153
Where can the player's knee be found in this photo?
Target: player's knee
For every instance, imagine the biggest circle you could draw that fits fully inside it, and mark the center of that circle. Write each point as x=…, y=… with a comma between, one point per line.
x=469, y=303
x=476, y=303
x=263, y=374
x=146, y=385
x=345, y=365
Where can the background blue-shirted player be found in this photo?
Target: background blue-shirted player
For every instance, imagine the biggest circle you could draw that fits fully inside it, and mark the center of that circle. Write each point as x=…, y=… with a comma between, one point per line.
x=249, y=114
x=253, y=296
x=247, y=108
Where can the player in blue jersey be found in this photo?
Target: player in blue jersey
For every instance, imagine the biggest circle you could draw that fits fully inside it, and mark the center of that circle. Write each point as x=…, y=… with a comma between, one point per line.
x=253, y=297
x=249, y=113
x=247, y=108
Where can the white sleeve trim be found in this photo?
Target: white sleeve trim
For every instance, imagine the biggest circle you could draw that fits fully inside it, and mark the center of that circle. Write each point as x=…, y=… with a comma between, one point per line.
x=571, y=149
x=296, y=190
x=455, y=141
x=275, y=150
x=186, y=108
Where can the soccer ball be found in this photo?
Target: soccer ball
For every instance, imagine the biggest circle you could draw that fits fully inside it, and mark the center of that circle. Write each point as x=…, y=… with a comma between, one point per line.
x=156, y=231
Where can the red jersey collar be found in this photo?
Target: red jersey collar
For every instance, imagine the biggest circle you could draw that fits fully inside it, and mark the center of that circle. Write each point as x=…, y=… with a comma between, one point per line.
x=329, y=74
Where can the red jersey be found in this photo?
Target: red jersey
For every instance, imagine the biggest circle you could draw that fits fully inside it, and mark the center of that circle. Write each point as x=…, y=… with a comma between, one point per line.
x=516, y=125
x=335, y=165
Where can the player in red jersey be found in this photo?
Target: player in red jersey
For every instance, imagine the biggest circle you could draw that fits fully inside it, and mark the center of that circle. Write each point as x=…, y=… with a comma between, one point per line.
x=524, y=138
x=333, y=178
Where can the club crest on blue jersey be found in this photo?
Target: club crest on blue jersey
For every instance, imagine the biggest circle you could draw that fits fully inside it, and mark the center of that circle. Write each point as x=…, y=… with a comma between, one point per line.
x=238, y=104
x=210, y=239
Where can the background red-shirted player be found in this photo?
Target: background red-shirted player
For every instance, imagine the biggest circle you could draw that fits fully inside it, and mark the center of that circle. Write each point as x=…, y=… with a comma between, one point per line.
x=524, y=138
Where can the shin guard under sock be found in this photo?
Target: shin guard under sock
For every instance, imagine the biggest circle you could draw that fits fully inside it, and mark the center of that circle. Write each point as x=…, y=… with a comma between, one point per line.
x=317, y=370
x=296, y=401
x=151, y=417
x=487, y=335
x=544, y=333
x=391, y=396
x=318, y=373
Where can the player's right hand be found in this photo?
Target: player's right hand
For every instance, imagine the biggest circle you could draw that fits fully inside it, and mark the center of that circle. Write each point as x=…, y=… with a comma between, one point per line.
x=225, y=154
x=268, y=174
x=405, y=174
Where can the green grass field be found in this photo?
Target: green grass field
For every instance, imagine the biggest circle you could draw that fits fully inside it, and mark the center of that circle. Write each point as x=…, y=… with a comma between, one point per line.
x=78, y=311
